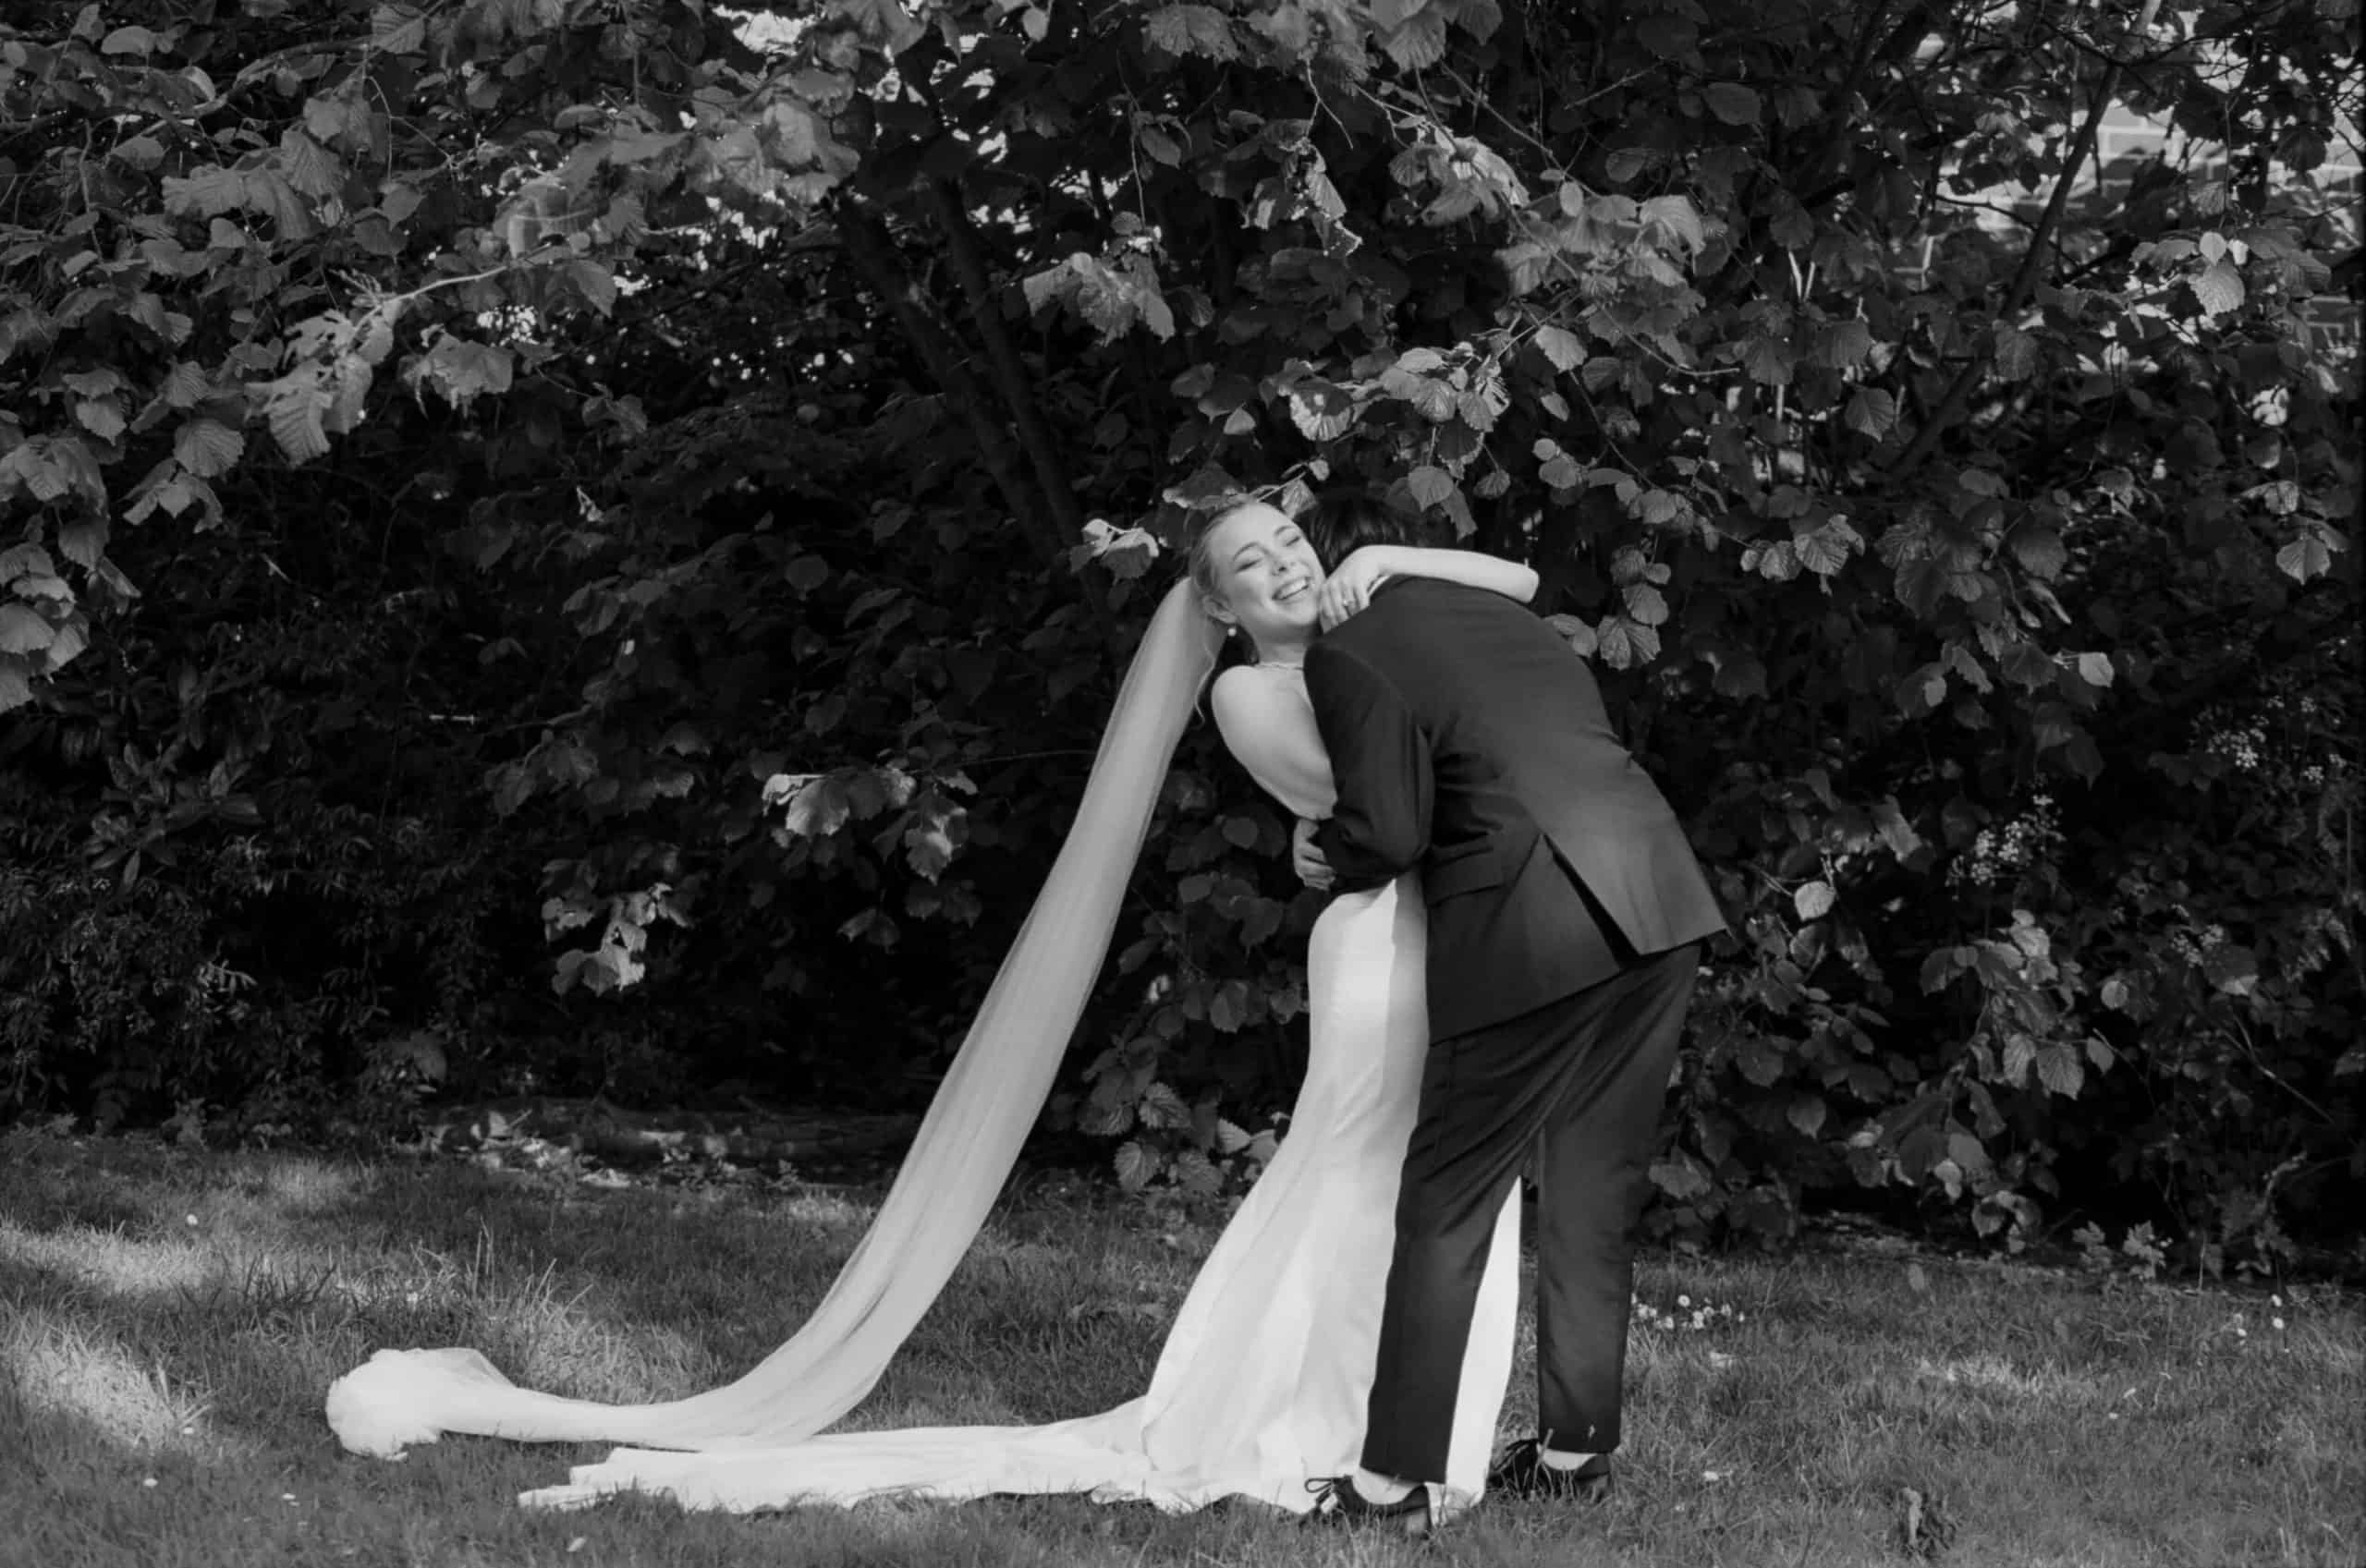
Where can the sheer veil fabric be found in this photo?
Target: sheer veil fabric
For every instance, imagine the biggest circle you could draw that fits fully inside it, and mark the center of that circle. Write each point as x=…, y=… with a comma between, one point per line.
x=964, y=1148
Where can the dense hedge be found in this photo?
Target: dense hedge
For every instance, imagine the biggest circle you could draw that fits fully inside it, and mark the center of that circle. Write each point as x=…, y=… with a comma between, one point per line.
x=550, y=549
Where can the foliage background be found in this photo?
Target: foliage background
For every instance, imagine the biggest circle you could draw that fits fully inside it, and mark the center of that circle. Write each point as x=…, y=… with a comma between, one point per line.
x=558, y=546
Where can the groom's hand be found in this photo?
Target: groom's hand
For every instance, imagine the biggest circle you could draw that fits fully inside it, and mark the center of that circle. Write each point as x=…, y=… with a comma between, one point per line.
x=1306, y=856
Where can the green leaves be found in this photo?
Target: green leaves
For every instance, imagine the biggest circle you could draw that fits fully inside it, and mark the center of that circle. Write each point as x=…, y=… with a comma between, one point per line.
x=1842, y=344
x=1681, y=1177
x=1557, y=469
x=1825, y=550
x=2016, y=351
x=458, y=368
x=1432, y=486
x=2309, y=555
x=397, y=28
x=209, y=192
x=2039, y=550
x=887, y=25
x=1191, y=29
x=308, y=168
x=294, y=410
x=1114, y=293
x=1686, y=339
x=1672, y=222
x=1873, y=412
x=1769, y=360
x=47, y=469
x=1564, y=348
x=207, y=448
x=24, y=629
x=265, y=190
x=2219, y=288
x=1623, y=642
x=1321, y=410
x=1732, y=103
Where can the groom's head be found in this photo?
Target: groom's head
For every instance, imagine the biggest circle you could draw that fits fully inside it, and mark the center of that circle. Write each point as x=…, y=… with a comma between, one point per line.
x=1344, y=520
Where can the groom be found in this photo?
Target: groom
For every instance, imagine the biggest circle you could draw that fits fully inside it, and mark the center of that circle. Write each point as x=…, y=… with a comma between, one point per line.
x=1566, y=914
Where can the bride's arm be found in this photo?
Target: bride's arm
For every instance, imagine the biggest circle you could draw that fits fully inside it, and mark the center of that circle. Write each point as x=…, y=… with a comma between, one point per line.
x=1348, y=588
x=1274, y=735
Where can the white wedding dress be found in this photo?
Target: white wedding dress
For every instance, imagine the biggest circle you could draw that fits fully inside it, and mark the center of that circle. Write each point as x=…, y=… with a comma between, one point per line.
x=1263, y=1380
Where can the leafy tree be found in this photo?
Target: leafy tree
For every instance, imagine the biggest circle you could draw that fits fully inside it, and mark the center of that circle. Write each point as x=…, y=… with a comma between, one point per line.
x=741, y=413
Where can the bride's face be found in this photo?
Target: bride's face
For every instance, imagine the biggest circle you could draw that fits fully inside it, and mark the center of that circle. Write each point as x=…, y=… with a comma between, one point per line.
x=1266, y=573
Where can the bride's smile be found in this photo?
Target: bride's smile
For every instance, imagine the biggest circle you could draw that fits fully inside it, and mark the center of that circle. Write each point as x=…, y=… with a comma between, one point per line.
x=1265, y=580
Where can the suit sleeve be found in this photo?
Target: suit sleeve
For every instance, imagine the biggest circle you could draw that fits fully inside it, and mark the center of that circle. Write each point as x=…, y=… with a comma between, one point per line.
x=1380, y=759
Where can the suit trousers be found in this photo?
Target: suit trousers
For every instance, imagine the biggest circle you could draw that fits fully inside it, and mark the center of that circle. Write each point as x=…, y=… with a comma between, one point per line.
x=1578, y=1084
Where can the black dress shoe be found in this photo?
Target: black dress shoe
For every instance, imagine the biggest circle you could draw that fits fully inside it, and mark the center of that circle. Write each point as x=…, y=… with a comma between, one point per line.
x=1523, y=1473
x=1336, y=1502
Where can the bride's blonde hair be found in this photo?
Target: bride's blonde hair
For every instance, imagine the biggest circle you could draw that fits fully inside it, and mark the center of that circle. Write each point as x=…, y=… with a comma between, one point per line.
x=1200, y=570
x=1199, y=560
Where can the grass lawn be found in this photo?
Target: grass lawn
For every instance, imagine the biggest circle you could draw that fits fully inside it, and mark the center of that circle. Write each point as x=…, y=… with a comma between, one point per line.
x=169, y=1320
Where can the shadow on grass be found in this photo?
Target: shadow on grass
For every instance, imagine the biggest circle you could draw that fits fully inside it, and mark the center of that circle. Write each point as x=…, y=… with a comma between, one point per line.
x=263, y=1279
x=174, y=1318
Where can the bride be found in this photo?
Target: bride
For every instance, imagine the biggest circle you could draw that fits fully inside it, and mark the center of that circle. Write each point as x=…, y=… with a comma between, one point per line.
x=1263, y=1380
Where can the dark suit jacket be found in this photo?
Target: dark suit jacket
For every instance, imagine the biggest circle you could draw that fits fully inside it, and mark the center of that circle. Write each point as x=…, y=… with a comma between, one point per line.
x=1468, y=739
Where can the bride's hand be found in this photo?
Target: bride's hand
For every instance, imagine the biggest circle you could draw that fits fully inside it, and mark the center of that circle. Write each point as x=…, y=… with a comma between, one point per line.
x=1307, y=859
x=1348, y=588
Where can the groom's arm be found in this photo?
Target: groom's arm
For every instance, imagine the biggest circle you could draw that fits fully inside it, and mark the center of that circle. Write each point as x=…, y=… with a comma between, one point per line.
x=1381, y=761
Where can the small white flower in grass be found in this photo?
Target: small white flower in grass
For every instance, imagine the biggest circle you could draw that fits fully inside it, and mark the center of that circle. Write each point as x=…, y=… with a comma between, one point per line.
x=193, y=1219
x=1680, y=1301
x=1713, y=1476
x=579, y=1543
x=2278, y=1322
x=148, y=1480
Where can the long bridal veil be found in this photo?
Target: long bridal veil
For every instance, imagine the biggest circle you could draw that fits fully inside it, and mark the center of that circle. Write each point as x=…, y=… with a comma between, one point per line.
x=966, y=1145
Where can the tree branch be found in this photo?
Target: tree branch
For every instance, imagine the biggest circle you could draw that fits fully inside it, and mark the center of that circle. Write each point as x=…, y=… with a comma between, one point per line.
x=2041, y=239
x=944, y=198
x=1837, y=115
x=870, y=248
x=944, y=202
x=868, y=243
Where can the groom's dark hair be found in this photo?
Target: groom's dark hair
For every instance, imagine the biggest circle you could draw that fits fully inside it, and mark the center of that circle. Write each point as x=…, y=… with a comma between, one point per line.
x=1346, y=519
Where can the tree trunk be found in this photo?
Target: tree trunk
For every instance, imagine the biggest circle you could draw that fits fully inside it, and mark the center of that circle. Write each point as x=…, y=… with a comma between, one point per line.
x=944, y=200
x=931, y=336
x=2042, y=240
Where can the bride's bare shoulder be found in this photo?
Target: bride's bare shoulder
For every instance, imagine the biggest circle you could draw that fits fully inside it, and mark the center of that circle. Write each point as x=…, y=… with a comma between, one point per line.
x=1246, y=693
